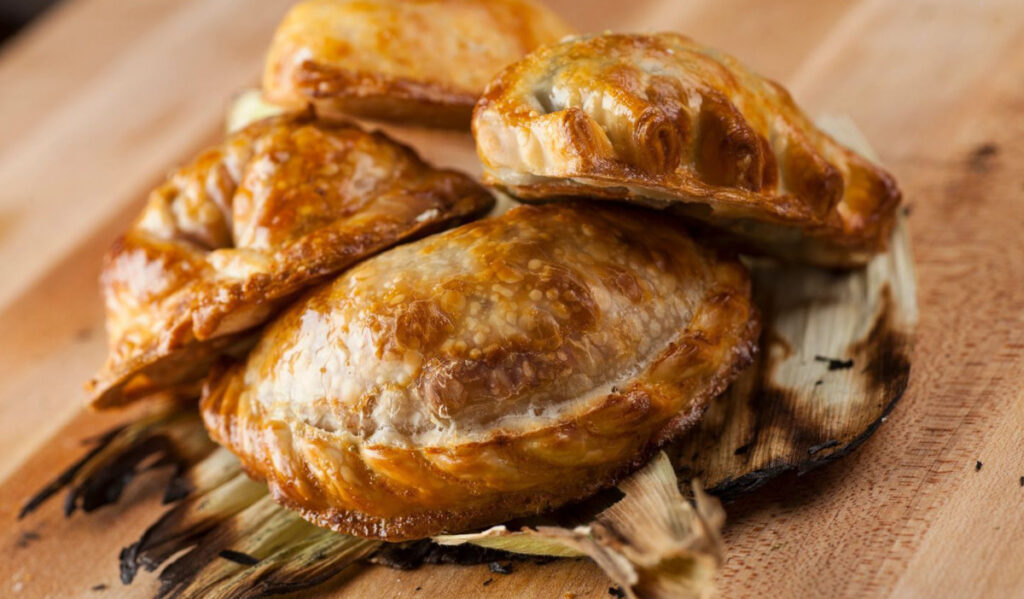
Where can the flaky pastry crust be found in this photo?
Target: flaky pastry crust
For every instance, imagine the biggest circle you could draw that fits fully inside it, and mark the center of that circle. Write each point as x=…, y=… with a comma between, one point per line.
x=227, y=239
x=423, y=61
x=492, y=371
x=661, y=120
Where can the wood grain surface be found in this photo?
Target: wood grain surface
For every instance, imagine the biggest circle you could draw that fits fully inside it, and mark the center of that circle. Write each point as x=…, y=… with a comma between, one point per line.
x=100, y=99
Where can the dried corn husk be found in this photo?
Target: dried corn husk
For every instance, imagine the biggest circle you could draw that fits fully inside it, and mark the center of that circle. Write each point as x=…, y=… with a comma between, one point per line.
x=652, y=542
x=248, y=107
x=835, y=358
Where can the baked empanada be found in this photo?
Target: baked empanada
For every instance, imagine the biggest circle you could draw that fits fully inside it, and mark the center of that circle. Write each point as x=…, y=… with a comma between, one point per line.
x=492, y=371
x=423, y=61
x=663, y=121
x=277, y=207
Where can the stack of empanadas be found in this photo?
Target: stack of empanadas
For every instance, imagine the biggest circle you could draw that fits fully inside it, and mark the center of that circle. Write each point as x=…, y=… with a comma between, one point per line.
x=393, y=381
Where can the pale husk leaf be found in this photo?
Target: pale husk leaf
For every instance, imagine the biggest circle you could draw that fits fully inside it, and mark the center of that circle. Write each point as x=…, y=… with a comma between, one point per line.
x=247, y=108
x=652, y=542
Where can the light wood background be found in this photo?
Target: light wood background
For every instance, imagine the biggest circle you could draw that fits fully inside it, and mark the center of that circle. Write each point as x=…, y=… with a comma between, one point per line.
x=101, y=98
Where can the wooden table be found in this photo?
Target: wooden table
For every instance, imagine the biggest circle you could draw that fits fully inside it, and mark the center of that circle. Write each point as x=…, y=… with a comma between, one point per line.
x=102, y=97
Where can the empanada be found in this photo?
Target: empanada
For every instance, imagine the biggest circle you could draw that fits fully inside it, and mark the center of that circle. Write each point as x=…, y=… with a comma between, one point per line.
x=663, y=121
x=424, y=61
x=495, y=370
x=277, y=207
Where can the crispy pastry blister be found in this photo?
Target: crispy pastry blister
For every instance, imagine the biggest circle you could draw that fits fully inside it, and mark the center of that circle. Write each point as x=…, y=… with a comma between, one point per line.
x=228, y=239
x=663, y=121
x=496, y=370
x=422, y=61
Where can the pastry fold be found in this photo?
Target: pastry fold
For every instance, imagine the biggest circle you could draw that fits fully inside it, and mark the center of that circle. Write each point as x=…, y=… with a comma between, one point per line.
x=419, y=61
x=496, y=370
x=663, y=121
x=226, y=240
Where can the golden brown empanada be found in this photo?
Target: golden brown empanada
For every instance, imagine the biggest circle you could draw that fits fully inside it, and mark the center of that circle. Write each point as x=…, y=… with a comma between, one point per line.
x=492, y=371
x=277, y=207
x=661, y=120
x=424, y=61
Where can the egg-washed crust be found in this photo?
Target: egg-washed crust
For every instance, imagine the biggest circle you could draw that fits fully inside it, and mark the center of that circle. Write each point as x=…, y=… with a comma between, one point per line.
x=553, y=350
x=419, y=61
x=663, y=121
x=228, y=239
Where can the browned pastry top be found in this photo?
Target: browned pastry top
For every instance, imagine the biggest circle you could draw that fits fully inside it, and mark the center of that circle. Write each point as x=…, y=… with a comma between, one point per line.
x=275, y=208
x=425, y=61
x=495, y=370
x=661, y=120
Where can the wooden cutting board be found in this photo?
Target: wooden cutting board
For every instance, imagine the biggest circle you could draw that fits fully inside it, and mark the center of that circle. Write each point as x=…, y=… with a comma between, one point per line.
x=101, y=98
